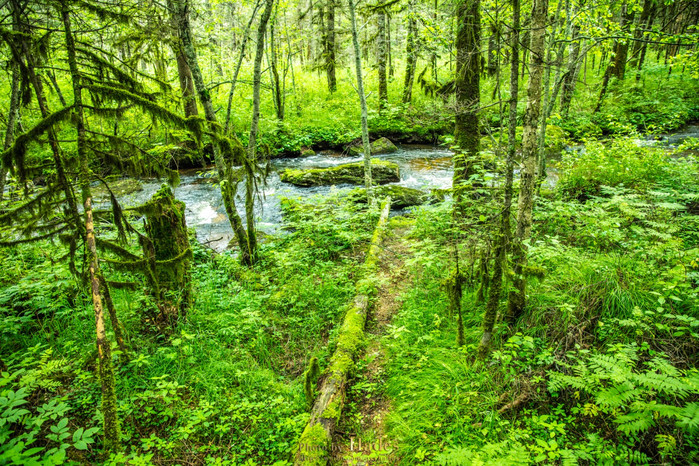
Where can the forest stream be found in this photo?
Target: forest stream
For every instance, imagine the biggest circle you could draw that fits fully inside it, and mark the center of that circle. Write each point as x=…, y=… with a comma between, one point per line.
x=421, y=167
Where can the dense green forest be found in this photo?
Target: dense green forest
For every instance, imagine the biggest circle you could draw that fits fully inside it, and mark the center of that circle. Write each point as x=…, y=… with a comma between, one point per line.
x=271, y=232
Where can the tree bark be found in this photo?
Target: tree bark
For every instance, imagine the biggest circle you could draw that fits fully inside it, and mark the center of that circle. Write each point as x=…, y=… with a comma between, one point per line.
x=500, y=262
x=330, y=46
x=382, y=55
x=254, y=128
x=571, y=76
x=517, y=297
x=362, y=101
x=241, y=54
x=410, y=55
x=106, y=369
x=467, y=90
x=12, y=118
x=180, y=8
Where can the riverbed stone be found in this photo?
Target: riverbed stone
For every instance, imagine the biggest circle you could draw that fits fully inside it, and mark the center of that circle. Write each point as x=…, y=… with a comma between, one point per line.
x=382, y=172
x=306, y=152
x=378, y=147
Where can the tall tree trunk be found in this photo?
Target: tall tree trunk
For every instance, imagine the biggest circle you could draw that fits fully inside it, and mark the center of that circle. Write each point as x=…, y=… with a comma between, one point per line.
x=467, y=90
x=180, y=8
x=493, y=58
x=638, y=33
x=254, y=128
x=410, y=55
x=541, y=159
x=382, y=55
x=571, y=76
x=362, y=101
x=517, y=297
x=12, y=118
x=241, y=54
x=184, y=73
x=277, y=90
x=24, y=52
x=106, y=369
x=391, y=69
x=500, y=262
x=622, y=47
x=330, y=46
x=617, y=61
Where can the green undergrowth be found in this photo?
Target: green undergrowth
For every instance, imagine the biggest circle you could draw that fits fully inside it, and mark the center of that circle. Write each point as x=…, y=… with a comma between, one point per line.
x=602, y=366
x=224, y=387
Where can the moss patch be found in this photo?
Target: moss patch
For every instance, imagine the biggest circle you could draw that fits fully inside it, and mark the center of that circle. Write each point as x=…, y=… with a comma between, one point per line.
x=382, y=172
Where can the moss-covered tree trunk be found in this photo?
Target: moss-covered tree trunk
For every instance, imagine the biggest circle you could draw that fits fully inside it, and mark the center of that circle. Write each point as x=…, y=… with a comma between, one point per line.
x=12, y=119
x=410, y=55
x=23, y=52
x=517, y=297
x=571, y=77
x=180, y=10
x=467, y=90
x=381, y=57
x=106, y=369
x=362, y=100
x=500, y=262
x=254, y=128
x=167, y=230
x=330, y=46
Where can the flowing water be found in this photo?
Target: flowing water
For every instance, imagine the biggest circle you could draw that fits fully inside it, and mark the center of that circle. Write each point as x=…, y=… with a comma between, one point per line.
x=421, y=167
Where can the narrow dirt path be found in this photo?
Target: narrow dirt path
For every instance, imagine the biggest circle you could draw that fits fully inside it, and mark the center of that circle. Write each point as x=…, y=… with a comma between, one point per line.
x=360, y=438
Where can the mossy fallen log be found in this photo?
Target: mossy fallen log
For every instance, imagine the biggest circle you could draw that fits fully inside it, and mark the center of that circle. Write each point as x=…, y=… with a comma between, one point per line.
x=315, y=444
x=382, y=172
x=401, y=196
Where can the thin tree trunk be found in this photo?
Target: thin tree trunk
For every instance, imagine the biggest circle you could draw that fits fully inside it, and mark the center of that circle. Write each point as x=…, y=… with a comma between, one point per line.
x=25, y=53
x=56, y=87
x=382, y=54
x=467, y=90
x=411, y=56
x=274, y=65
x=362, y=100
x=571, y=77
x=500, y=262
x=246, y=35
x=517, y=297
x=180, y=9
x=254, y=128
x=12, y=118
x=330, y=46
x=106, y=369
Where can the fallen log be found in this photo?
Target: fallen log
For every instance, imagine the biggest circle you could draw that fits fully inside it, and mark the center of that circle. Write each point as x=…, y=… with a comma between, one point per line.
x=315, y=444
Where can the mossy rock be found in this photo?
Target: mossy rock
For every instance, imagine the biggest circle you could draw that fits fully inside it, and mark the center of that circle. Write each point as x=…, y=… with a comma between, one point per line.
x=382, y=172
x=378, y=147
x=401, y=197
x=121, y=187
x=306, y=152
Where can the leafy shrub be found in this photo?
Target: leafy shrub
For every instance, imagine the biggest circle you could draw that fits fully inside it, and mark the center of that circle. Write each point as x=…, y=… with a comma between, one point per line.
x=621, y=162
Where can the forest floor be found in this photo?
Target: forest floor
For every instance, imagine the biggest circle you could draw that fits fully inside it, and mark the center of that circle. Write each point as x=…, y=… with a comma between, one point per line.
x=361, y=438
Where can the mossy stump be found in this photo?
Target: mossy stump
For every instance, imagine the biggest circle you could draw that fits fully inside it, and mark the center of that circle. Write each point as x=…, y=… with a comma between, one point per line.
x=382, y=172
x=167, y=230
